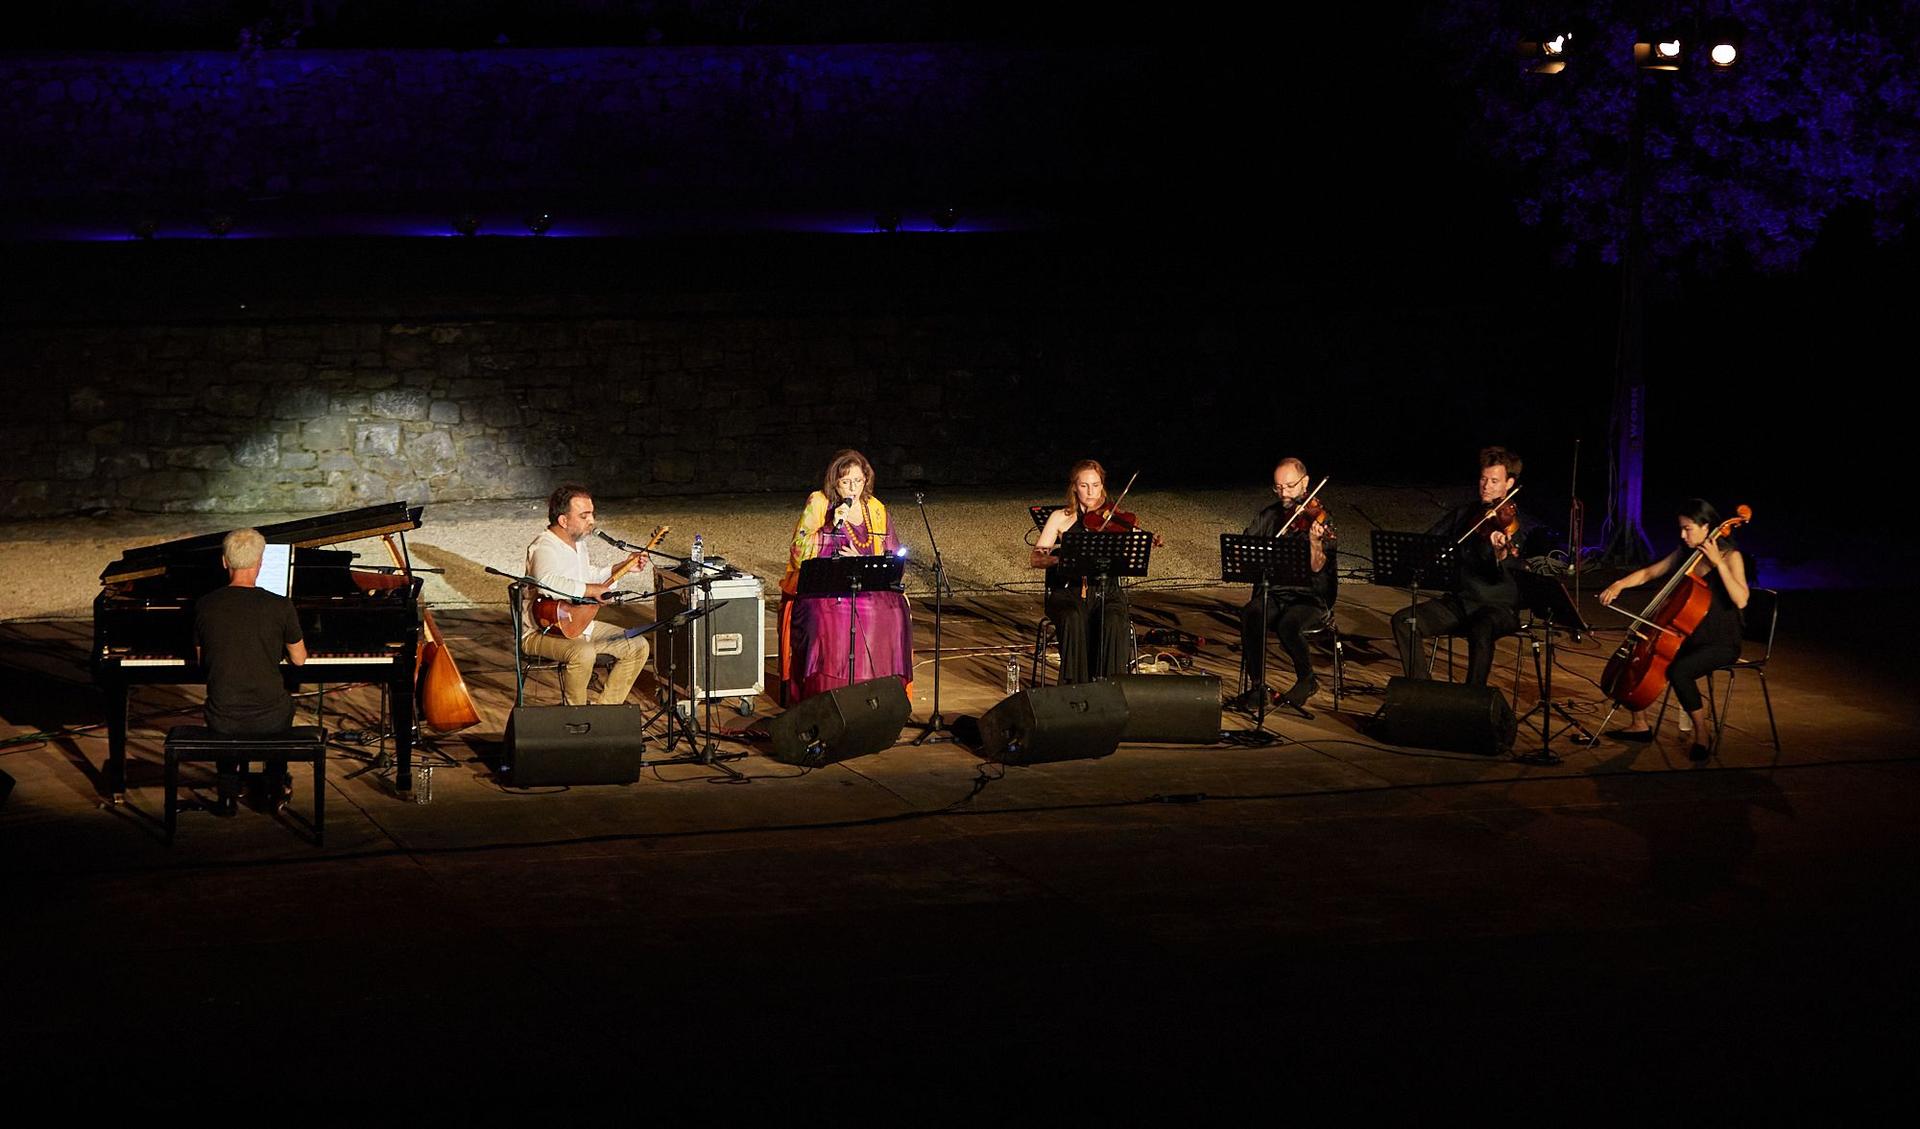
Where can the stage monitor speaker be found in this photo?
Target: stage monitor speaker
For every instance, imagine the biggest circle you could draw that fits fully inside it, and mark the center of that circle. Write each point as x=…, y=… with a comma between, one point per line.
x=1055, y=723
x=1171, y=709
x=573, y=745
x=850, y=721
x=1423, y=714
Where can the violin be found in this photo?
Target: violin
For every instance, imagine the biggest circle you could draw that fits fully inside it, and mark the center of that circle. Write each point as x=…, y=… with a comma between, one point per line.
x=1503, y=518
x=1312, y=510
x=1113, y=519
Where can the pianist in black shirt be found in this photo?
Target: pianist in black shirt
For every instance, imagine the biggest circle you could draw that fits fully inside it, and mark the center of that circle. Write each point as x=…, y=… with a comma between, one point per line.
x=242, y=632
x=1487, y=606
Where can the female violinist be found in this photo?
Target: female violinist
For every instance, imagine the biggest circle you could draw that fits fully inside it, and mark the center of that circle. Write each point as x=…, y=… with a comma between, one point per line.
x=1712, y=644
x=1090, y=617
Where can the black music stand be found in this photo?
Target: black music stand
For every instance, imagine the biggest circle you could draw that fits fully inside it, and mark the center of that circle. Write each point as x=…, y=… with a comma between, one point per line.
x=1100, y=557
x=1040, y=514
x=1266, y=562
x=1418, y=562
x=850, y=576
x=1549, y=609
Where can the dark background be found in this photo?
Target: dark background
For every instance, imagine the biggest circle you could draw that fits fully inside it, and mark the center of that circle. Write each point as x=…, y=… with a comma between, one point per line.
x=1244, y=247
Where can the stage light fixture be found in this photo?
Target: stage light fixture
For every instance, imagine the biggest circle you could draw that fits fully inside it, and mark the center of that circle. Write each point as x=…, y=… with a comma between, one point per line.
x=466, y=223
x=1662, y=52
x=539, y=223
x=1548, y=54
x=1724, y=36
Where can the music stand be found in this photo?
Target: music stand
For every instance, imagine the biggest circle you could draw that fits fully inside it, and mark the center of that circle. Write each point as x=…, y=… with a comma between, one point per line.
x=1418, y=562
x=1266, y=562
x=1040, y=514
x=850, y=576
x=1100, y=557
x=1550, y=608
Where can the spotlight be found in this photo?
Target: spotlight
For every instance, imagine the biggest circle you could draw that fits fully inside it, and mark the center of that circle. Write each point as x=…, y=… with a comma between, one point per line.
x=1548, y=54
x=888, y=220
x=144, y=228
x=1662, y=52
x=219, y=224
x=945, y=219
x=1725, y=35
x=466, y=223
x=540, y=223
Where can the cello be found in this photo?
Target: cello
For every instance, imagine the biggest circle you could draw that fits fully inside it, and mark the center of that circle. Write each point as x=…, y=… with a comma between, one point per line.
x=1637, y=672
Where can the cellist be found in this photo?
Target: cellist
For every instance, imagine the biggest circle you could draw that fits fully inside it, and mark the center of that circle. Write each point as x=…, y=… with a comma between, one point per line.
x=1091, y=622
x=1716, y=641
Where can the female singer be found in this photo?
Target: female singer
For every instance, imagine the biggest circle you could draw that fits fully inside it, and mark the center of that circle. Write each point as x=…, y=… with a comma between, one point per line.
x=1713, y=644
x=842, y=518
x=1090, y=619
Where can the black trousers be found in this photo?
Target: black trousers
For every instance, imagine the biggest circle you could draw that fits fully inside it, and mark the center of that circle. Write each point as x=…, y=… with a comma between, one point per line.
x=1094, y=641
x=1289, y=618
x=1480, y=624
x=1694, y=659
x=229, y=772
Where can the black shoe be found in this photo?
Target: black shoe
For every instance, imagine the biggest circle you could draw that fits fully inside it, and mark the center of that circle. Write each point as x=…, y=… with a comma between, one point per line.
x=1301, y=691
x=1248, y=702
x=1699, y=754
x=1641, y=735
x=226, y=807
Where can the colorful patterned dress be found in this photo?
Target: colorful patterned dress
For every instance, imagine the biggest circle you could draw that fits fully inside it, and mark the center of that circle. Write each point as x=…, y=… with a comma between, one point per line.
x=814, y=629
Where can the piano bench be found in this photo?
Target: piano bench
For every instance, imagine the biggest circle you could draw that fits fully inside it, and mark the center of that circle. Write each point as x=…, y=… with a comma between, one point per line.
x=300, y=743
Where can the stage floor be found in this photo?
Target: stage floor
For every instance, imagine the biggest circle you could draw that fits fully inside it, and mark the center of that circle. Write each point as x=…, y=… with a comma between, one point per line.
x=1323, y=911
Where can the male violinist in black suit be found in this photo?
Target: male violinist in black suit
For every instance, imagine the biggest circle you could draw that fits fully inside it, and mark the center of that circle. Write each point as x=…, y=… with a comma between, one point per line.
x=1487, y=606
x=1291, y=612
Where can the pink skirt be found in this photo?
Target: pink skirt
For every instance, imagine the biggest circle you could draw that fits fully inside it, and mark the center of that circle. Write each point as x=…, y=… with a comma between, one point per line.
x=814, y=639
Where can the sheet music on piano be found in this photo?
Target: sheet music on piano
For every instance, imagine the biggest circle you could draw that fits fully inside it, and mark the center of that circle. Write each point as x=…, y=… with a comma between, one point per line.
x=359, y=626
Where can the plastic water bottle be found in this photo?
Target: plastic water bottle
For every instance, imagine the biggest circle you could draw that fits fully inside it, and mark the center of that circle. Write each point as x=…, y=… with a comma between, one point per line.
x=699, y=550
x=1013, y=674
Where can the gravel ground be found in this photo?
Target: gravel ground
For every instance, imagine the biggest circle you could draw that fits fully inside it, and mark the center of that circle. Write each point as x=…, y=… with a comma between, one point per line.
x=52, y=566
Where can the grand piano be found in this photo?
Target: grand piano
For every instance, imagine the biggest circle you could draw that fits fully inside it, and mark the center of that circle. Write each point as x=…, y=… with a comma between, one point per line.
x=360, y=624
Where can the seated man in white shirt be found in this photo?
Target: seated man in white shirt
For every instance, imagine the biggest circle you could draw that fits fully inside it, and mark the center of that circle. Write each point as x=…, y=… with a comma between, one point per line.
x=558, y=559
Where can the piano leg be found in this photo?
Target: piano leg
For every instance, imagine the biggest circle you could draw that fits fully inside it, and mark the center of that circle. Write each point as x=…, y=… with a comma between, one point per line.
x=116, y=768
x=400, y=696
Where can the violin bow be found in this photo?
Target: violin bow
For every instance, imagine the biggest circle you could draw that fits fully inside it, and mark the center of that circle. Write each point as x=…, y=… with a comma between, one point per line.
x=1302, y=508
x=1511, y=495
x=1115, y=504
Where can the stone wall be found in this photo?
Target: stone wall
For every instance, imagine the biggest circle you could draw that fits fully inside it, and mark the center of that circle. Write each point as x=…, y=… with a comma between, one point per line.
x=314, y=416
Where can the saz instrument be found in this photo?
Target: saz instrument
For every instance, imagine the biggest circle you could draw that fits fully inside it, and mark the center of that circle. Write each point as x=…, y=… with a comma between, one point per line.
x=555, y=613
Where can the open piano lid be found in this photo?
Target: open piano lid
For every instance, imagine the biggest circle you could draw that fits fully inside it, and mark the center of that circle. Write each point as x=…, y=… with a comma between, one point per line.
x=305, y=533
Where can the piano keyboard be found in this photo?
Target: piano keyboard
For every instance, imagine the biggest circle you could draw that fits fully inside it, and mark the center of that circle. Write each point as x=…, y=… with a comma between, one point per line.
x=312, y=660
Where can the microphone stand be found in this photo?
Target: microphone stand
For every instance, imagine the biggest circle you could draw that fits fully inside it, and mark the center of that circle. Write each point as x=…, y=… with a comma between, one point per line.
x=707, y=756
x=935, y=722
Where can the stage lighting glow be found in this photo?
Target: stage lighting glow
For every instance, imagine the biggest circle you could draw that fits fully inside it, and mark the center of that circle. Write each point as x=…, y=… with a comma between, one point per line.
x=144, y=228
x=466, y=223
x=1667, y=48
x=1724, y=54
x=1555, y=46
x=886, y=221
x=219, y=224
x=946, y=219
x=540, y=223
